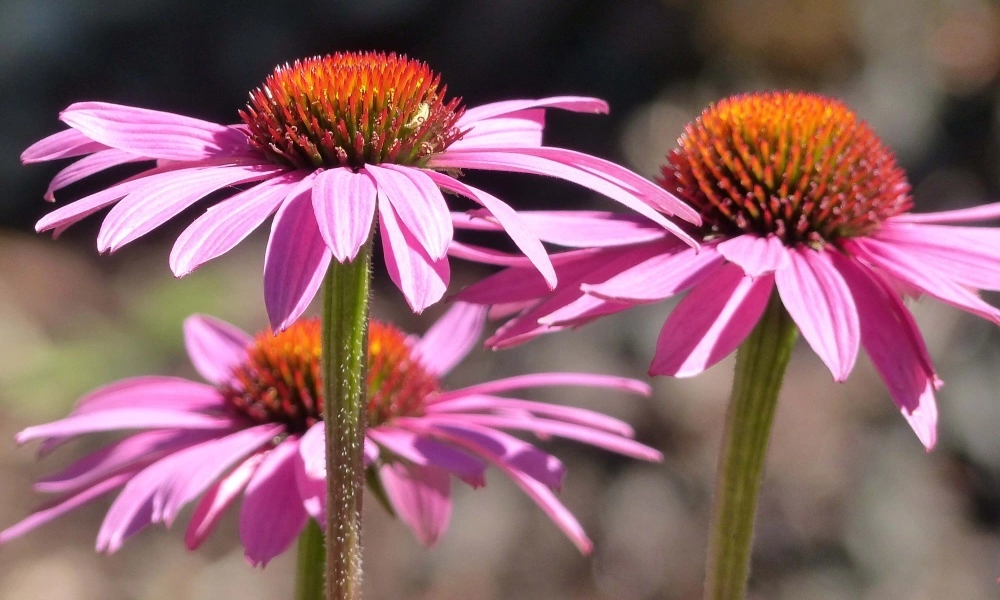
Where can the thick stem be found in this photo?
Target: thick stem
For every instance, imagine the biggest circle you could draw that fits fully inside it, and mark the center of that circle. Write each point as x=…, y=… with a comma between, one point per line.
x=760, y=368
x=310, y=563
x=345, y=357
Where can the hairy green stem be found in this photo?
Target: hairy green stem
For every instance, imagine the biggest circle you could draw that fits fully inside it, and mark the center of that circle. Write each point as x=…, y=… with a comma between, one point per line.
x=310, y=563
x=760, y=368
x=345, y=358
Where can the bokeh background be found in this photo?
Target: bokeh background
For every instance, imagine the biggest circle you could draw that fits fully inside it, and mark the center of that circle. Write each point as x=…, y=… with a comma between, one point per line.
x=852, y=507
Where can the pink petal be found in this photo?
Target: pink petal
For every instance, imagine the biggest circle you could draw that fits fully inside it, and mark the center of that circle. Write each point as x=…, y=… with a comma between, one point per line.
x=344, y=203
x=820, y=303
x=963, y=215
x=710, y=322
x=153, y=204
x=522, y=282
x=451, y=338
x=511, y=222
x=591, y=229
x=296, y=259
x=153, y=133
x=487, y=256
x=157, y=392
x=892, y=340
x=215, y=347
x=506, y=107
x=216, y=500
x=968, y=255
x=662, y=275
x=421, y=496
x=422, y=280
x=87, y=166
x=122, y=418
x=756, y=255
x=580, y=416
x=65, y=144
x=520, y=382
x=521, y=128
x=419, y=204
x=272, y=515
x=226, y=224
x=427, y=452
x=310, y=472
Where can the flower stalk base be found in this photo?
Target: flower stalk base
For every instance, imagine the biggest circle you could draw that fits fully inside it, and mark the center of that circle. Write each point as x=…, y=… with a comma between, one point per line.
x=346, y=291
x=760, y=368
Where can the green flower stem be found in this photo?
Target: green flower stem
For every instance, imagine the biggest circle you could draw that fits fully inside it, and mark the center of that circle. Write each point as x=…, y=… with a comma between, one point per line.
x=310, y=563
x=760, y=368
x=345, y=357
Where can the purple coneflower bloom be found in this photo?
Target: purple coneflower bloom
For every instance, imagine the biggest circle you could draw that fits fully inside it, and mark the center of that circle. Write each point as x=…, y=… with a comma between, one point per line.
x=795, y=194
x=326, y=143
x=255, y=431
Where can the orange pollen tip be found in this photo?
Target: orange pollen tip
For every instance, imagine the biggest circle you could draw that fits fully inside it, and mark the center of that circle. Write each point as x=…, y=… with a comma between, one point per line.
x=350, y=109
x=796, y=165
x=281, y=379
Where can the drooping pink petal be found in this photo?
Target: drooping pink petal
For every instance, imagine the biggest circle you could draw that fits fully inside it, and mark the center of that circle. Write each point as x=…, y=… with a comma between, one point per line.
x=756, y=255
x=896, y=348
x=229, y=222
x=451, y=337
x=661, y=275
x=506, y=107
x=87, y=166
x=215, y=347
x=820, y=303
x=487, y=256
x=521, y=128
x=509, y=219
x=216, y=500
x=65, y=144
x=122, y=418
x=418, y=203
x=344, y=203
x=272, y=515
x=427, y=452
x=913, y=272
x=421, y=496
x=486, y=403
x=710, y=322
x=968, y=255
x=157, y=392
x=310, y=472
x=153, y=133
x=422, y=280
x=592, y=229
x=154, y=204
x=62, y=506
x=520, y=382
x=296, y=259
x=963, y=215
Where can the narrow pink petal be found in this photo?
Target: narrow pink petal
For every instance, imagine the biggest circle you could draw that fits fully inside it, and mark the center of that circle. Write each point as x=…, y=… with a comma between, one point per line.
x=422, y=280
x=226, y=224
x=122, y=418
x=915, y=273
x=154, y=204
x=985, y=212
x=519, y=232
x=521, y=162
x=968, y=255
x=87, y=166
x=485, y=403
x=893, y=342
x=419, y=204
x=506, y=107
x=272, y=515
x=756, y=255
x=488, y=256
x=158, y=392
x=819, y=301
x=427, y=452
x=710, y=322
x=660, y=276
x=344, y=203
x=310, y=471
x=296, y=259
x=520, y=382
x=216, y=500
x=62, y=506
x=452, y=337
x=152, y=133
x=521, y=128
x=421, y=496
x=215, y=347
x=555, y=314
x=591, y=228
x=65, y=144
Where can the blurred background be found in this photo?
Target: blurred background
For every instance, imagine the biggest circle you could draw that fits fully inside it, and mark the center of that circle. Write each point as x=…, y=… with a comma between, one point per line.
x=852, y=507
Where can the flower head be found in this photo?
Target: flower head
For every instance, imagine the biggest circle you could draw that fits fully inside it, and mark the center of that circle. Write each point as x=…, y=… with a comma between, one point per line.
x=255, y=430
x=326, y=144
x=796, y=195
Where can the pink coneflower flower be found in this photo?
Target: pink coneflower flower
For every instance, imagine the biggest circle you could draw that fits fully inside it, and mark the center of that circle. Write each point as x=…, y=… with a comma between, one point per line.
x=795, y=194
x=255, y=430
x=327, y=143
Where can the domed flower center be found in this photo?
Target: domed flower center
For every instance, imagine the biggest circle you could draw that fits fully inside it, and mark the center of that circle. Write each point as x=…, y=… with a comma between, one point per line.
x=349, y=109
x=799, y=166
x=280, y=381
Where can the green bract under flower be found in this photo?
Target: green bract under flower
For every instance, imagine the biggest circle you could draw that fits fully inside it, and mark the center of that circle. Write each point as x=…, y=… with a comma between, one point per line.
x=795, y=165
x=351, y=109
